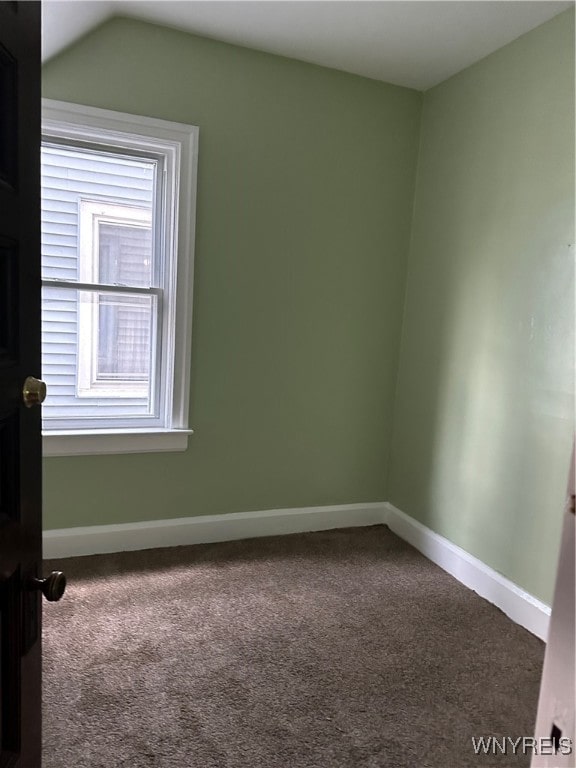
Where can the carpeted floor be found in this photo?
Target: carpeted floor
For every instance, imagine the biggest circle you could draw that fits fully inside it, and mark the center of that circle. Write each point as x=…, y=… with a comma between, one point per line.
x=339, y=649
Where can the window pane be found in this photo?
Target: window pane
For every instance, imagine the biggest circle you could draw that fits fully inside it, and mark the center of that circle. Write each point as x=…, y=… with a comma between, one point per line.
x=125, y=255
x=98, y=354
x=97, y=188
x=124, y=334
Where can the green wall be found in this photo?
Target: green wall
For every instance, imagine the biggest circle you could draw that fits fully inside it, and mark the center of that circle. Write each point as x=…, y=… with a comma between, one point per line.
x=305, y=193
x=484, y=408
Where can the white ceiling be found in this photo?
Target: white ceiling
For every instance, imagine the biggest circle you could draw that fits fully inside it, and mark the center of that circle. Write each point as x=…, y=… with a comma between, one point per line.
x=414, y=43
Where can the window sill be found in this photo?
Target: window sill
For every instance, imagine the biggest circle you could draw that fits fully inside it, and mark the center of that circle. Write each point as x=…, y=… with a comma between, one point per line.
x=90, y=443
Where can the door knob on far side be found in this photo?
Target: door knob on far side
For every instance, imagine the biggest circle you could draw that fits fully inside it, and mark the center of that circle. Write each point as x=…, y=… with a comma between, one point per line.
x=33, y=392
x=52, y=587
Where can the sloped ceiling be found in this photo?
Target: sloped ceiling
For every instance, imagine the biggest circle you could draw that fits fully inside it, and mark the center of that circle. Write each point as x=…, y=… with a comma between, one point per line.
x=412, y=43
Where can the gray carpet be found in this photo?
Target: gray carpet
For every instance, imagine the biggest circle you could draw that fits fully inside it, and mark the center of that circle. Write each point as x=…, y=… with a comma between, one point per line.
x=340, y=649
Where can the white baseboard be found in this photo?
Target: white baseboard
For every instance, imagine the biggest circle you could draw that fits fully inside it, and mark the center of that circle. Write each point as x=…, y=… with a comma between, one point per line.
x=100, y=539
x=522, y=607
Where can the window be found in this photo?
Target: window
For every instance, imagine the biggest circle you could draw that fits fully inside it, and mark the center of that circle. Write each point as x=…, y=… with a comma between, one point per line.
x=115, y=332
x=118, y=199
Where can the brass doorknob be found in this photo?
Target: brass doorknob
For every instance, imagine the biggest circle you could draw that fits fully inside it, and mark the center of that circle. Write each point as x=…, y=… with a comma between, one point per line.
x=52, y=587
x=33, y=392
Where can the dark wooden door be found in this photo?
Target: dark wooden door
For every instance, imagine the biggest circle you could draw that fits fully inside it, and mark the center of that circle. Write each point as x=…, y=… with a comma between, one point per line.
x=20, y=435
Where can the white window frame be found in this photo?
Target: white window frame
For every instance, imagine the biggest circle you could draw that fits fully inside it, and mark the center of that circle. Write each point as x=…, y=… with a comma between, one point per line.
x=177, y=143
x=91, y=214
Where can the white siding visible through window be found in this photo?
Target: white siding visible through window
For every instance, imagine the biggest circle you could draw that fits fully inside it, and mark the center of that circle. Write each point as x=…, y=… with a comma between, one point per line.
x=111, y=198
